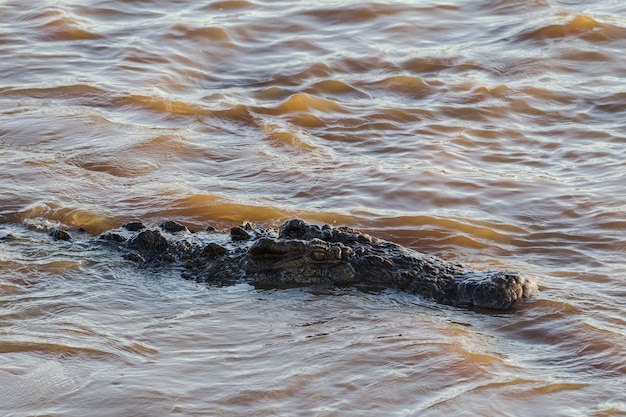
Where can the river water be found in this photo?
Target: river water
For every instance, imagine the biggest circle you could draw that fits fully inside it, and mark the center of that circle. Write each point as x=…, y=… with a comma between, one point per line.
x=488, y=132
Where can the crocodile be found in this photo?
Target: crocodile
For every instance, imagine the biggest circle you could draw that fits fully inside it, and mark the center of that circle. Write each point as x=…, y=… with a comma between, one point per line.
x=302, y=254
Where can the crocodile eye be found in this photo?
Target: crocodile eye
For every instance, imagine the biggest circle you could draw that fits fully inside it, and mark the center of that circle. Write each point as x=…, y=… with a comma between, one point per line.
x=318, y=255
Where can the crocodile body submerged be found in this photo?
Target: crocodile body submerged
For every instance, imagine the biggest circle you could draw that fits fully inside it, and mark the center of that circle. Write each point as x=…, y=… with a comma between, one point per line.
x=300, y=254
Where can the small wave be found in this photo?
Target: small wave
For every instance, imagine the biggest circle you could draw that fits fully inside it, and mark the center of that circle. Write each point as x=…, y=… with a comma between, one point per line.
x=411, y=86
x=201, y=34
x=54, y=24
x=286, y=138
x=76, y=93
x=306, y=110
x=303, y=102
x=115, y=165
x=336, y=87
x=580, y=26
x=162, y=105
x=47, y=216
x=436, y=65
x=230, y=5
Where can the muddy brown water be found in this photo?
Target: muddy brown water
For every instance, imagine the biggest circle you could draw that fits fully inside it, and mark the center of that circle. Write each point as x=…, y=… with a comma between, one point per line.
x=487, y=132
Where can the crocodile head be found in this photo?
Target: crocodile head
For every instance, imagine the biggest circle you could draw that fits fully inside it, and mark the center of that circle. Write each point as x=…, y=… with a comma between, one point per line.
x=305, y=254
x=295, y=262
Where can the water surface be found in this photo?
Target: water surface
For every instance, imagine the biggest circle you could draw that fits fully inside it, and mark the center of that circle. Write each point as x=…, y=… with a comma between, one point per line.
x=486, y=132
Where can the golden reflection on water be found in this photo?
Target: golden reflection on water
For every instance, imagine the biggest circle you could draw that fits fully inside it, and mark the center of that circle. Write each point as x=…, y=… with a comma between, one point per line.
x=488, y=132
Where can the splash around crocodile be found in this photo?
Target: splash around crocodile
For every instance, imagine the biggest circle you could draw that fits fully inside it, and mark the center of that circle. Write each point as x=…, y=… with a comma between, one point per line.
x=301, y=254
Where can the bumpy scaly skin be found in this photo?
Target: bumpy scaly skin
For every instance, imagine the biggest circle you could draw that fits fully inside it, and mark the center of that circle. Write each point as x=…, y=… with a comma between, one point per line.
x=300, y=254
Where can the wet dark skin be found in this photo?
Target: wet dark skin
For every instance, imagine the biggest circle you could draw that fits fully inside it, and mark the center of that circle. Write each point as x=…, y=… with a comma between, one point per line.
x=301, y=254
